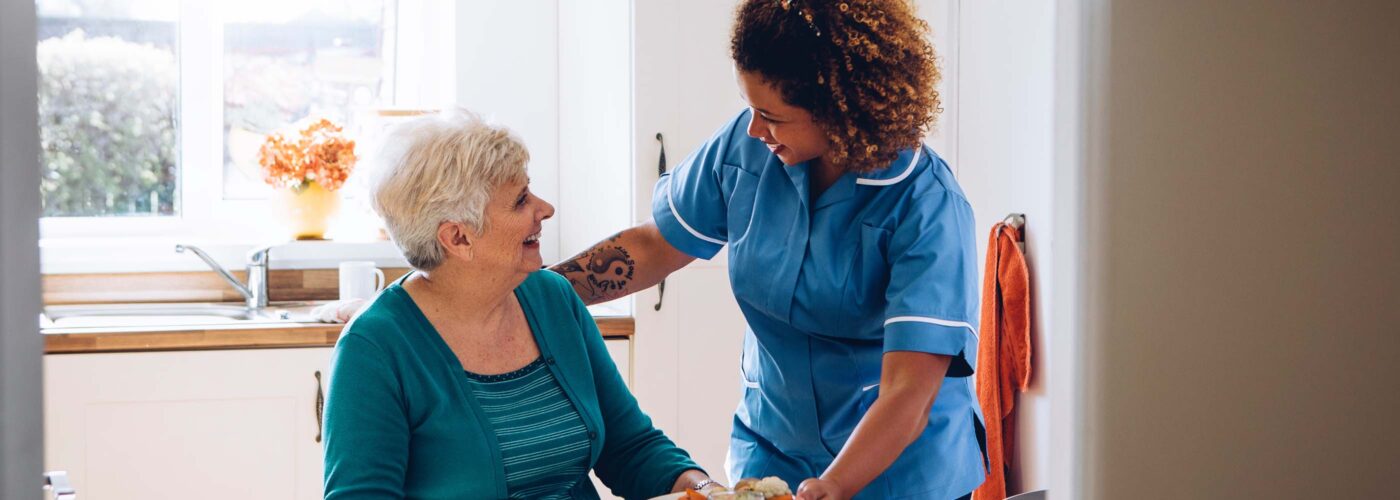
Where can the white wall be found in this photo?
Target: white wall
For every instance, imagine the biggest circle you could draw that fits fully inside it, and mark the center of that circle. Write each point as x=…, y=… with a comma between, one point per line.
x=21, y=425
x=508, y=69
x=1004, y=129
x=1243, y=338
x=595, y=121
x=687, y=354
x=942, y=17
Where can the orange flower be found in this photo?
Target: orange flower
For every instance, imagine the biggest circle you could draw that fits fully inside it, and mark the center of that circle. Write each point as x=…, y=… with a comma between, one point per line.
x=321, y=154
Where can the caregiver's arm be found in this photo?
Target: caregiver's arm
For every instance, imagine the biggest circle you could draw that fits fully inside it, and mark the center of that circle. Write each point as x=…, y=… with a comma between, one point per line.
x=909, y=383
x=627, y=262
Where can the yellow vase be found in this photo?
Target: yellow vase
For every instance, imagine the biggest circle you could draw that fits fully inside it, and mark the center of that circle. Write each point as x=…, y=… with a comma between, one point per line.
x=307, y=211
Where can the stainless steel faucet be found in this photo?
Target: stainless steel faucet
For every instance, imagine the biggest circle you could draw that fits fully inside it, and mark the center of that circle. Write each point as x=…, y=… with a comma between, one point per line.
x=255, y=292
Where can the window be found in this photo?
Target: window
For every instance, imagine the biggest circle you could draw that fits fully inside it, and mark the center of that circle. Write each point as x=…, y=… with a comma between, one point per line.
x=108, y=107
x=152, y=111
x=284, y=65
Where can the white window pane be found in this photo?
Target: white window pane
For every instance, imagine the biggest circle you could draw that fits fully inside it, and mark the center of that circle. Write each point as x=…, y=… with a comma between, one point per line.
x=289, y=62
x=108, y=107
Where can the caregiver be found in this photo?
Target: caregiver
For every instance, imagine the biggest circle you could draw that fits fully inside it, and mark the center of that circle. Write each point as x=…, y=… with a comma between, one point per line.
x=851, y=254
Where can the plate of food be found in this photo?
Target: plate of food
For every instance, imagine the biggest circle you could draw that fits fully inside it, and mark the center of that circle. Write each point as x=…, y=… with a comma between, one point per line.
x=768, y=488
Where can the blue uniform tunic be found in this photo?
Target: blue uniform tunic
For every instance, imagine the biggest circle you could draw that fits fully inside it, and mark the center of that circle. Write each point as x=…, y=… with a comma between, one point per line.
x=881, y=261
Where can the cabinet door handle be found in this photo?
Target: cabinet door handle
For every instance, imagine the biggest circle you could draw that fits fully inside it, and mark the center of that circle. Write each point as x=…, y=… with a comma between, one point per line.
x=320, y=405
x=660, y=171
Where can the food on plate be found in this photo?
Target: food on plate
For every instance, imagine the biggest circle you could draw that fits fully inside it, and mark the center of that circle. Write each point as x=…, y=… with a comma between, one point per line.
x=769, y=488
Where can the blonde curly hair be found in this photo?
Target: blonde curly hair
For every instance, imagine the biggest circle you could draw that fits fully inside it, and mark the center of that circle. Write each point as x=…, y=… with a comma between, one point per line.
x=864, y=69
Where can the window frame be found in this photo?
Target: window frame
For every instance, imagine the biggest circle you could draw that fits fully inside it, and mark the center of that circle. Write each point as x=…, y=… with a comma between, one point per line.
x=200, y=58
x=423, y=65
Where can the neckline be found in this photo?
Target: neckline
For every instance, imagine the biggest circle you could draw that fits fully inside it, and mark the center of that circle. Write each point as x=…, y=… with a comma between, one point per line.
x=507, y=376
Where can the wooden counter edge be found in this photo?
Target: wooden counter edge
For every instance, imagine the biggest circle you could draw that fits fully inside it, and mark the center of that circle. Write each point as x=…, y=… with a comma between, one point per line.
x=297, y=335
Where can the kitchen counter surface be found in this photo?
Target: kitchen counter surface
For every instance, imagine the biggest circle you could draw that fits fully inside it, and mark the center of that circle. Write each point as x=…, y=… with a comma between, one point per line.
x=208, y=337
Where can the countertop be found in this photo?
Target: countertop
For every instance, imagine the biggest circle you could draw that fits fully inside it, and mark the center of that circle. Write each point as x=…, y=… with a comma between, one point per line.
x=208, y=337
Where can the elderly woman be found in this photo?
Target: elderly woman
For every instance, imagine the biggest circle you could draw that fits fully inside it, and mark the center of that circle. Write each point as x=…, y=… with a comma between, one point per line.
x=478, y=375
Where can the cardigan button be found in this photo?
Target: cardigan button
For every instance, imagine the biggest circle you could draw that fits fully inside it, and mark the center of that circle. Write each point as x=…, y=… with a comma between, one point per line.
x=592, y=435
x=549, y=360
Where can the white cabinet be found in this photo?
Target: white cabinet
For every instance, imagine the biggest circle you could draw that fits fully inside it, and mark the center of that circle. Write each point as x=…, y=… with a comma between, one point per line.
x=212, y=425
x=687, y=354
x=621, y=352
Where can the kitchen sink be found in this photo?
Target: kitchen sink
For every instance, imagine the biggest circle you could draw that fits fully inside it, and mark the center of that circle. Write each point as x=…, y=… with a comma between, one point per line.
x=168, y=315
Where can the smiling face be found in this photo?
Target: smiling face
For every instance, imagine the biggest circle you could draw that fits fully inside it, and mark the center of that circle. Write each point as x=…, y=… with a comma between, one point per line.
x=511, y=240
x=789, y=131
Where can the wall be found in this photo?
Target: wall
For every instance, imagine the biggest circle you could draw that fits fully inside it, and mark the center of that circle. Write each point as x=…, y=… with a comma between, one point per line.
x=21, y=425
x=1243, y=338
x=595, y=122
x=1004, y=129
x=558, y=73
x=508, y=69
x=687, y=354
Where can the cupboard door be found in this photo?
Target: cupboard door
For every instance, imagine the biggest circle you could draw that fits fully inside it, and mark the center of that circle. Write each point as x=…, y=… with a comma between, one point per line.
x=199, y=424
x=621, y=352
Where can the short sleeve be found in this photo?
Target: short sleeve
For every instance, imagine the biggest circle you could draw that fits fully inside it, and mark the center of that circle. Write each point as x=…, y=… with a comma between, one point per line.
x=932, y=294
x=689, y=203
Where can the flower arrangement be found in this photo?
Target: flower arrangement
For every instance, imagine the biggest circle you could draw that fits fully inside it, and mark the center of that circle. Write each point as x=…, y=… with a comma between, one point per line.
x=321, y=155
x=308, y=171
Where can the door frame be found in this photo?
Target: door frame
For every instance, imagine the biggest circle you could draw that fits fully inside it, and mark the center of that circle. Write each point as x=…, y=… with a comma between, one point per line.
x=1079, y=207
x=21, y=346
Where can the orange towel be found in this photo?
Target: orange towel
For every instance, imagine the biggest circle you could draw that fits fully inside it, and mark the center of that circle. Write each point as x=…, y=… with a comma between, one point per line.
x=1003, y=352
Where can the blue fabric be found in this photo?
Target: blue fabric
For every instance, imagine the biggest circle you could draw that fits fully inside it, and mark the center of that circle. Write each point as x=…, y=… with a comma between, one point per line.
x=402, y=420
x=881, y=261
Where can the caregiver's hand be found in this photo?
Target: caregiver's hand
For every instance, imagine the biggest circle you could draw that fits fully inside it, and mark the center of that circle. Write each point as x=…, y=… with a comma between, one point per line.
x=820, y=489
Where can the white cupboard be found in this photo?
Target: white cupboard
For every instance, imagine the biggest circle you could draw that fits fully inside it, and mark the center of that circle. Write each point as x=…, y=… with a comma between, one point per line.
x=213, y=425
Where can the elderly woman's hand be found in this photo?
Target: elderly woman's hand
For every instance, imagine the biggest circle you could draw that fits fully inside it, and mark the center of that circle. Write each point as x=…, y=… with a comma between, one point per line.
x=340, y=311
x=695, y=479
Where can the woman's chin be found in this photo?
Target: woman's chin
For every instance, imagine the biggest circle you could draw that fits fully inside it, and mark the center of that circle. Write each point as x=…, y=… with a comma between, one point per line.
x=790, y=159
x=532, y=260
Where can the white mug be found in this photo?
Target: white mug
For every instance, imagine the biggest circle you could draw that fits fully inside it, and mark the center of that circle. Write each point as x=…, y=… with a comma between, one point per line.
x=359, y=279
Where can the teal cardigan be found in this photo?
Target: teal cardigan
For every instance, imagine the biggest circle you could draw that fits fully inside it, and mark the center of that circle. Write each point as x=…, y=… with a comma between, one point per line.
x=401, y=421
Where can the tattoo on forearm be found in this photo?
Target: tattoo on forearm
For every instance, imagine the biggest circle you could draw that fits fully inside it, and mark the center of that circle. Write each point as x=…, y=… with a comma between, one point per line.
x=601, y=272
x=610, y=268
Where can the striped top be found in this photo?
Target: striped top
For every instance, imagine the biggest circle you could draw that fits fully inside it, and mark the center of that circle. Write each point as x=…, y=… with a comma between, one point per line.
x=543, y=441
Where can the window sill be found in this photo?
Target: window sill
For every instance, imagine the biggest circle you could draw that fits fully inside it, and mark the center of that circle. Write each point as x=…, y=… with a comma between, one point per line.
x=138, y=255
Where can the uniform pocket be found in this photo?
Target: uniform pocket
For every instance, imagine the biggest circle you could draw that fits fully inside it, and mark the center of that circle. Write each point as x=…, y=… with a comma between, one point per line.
x=741, y=186
x=865, y=285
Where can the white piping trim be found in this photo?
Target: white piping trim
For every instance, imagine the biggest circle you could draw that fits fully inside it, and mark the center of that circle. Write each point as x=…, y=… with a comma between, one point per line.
x=935, y=321
x=869, y=387
x=908, y=170
x=670, y=201
x=744, y=378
